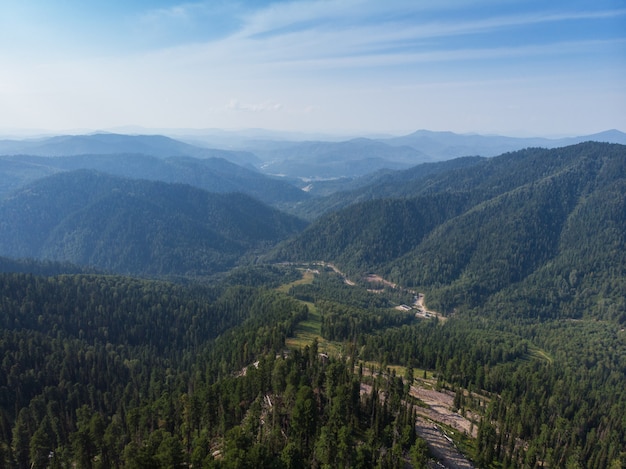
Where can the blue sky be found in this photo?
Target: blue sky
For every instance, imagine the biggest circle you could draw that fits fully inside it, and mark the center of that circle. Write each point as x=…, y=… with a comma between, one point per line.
x=344, y=66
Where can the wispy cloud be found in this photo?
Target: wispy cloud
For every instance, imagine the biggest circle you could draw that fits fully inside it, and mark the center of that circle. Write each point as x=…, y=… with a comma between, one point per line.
x=316, y=33
x=236, y=105
x=188, y=23
x=389, y=21
x=314, y=62
x=310, y=35
x=192, y=11
x=458, y=55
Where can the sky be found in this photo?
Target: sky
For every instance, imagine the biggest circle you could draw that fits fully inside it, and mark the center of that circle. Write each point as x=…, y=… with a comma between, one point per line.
x=508, y=67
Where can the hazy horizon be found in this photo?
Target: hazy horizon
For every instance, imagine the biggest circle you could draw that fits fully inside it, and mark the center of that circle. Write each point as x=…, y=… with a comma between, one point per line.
x=251, y=134
x=348, y=67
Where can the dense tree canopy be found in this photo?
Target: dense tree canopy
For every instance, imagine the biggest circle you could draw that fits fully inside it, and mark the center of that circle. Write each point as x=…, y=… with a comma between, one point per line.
x=106, y=371
x=521, y=256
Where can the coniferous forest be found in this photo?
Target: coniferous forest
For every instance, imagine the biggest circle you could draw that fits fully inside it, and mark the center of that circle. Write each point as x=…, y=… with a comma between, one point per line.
x=244, y=338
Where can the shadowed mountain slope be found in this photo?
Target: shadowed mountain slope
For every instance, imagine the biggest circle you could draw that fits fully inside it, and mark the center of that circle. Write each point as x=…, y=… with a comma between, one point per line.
x=211, y=174
x=137, y=227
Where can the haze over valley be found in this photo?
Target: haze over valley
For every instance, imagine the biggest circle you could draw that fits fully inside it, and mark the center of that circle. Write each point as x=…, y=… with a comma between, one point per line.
x=227, y=239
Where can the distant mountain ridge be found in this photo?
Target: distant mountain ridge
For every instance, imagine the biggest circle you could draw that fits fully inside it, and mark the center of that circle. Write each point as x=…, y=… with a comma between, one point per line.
x=447, y=145
x=211, y=174
x=106, y=144
x=351, y=158
x=135, y=226
x=359, y=156
x=305, y=159
x=401, y=183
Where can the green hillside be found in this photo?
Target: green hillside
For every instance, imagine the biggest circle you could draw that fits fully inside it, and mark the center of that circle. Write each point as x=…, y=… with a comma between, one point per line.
x=114, y=372
x=479, y=178
x=378, y=185
x=524, y=251
x=139, y=227
x=523, y=221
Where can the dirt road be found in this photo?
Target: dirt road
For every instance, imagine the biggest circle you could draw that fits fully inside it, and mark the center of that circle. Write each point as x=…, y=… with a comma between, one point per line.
x=440, y=404
x=439, y=409
x=441, y=448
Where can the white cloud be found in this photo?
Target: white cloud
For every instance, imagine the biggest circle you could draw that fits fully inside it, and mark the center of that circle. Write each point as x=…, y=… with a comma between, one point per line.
x=175, y=14
x=235, y=105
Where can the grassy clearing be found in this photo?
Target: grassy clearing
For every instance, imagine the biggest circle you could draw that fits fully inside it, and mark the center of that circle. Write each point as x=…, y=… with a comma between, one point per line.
x=307, y=331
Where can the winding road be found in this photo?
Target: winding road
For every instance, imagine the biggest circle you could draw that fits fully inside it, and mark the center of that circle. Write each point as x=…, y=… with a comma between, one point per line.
x=438, y=403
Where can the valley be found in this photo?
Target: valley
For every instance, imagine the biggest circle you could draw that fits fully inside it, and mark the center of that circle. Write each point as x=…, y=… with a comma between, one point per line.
x=312, y=234
x=436, y=406
x=467, y=312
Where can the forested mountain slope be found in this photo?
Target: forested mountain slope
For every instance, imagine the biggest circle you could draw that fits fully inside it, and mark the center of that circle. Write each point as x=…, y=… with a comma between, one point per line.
x=548, y=223
x=45, y=268
x=380, y=185
x=523, y=253
x=107, y=371
x=134, y=226
x=474, y=175
x=211, y=174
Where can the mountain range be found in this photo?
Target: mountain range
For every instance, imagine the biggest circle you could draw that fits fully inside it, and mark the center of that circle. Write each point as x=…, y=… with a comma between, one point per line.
x=538, y=231
x=110, y=144
x=305, y=159
x=447, y=145
x=211, y=174
x=397, y=223
x=359, y=156
x=520, y=258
